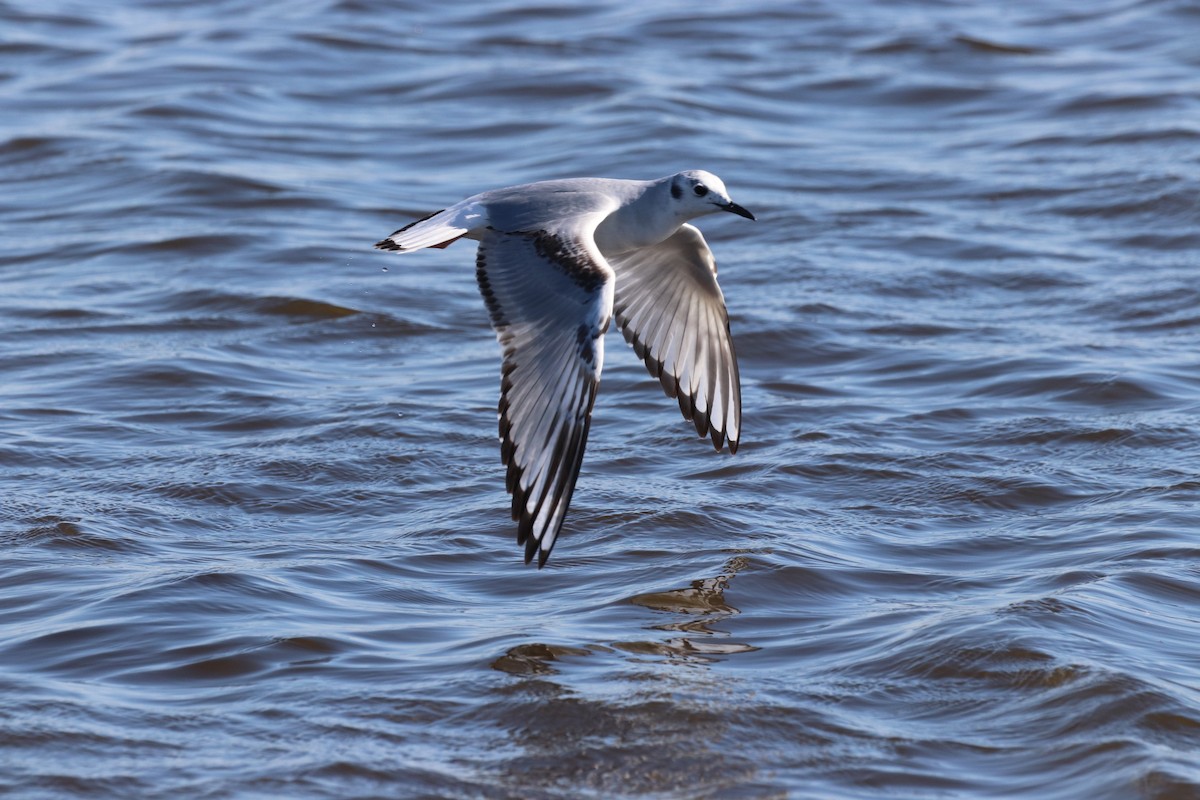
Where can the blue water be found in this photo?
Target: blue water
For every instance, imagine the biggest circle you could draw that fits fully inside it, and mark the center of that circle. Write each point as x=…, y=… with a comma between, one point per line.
x=256, y=539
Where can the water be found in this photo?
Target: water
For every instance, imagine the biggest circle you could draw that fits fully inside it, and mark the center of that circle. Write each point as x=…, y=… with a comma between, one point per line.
x=256, y=540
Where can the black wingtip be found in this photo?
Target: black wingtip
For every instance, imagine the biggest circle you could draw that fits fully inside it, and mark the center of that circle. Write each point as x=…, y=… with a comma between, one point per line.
x=387, y=244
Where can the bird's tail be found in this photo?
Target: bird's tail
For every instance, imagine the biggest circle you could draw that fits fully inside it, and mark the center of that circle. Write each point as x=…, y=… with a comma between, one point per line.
x=436, y=230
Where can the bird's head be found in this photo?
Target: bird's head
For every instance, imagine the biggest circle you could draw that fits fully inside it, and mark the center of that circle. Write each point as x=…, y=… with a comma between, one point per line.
x=697, y=192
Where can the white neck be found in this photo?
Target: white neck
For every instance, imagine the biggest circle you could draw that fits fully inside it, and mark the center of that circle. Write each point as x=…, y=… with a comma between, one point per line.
x=643, y=222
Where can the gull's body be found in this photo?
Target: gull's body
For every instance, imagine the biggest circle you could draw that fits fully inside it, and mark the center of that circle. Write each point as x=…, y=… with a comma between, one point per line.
x=557, y=260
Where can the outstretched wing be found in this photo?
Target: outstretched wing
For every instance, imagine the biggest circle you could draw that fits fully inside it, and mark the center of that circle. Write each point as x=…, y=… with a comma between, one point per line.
x=670, y=308
x=550, y=297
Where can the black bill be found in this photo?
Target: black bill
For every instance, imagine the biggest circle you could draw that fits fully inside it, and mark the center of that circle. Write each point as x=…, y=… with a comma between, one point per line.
x=736, y=209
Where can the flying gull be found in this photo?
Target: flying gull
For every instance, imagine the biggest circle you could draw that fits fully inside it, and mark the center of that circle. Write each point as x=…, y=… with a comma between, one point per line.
x=557, y=260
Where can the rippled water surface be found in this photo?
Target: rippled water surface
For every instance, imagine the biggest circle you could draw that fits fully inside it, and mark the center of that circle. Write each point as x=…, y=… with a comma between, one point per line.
x=256, y=540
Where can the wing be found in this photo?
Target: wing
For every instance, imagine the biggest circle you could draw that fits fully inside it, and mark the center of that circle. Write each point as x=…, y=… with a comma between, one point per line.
x=670, y=308
x=549, y=294
x=439, y=229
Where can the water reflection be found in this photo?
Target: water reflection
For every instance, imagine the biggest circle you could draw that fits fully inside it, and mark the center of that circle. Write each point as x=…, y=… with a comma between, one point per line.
x=702, y=605
x=694, y=611
x=535, y=658
x=655, y=729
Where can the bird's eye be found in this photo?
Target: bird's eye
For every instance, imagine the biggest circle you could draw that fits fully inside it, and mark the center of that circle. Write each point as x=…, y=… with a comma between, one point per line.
x=700, y=189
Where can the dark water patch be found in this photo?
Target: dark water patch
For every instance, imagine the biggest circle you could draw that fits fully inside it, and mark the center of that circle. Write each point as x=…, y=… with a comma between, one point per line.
x=957, y=250
x=75, y=651
x=1064, y=432
x=934, y=94
x=1174, y=243
x=900, y=44
x=524, y=87
x=684, y=734
x=71, y=316
x=354, y=41
x=1031, y=281
x=914, y=330
x=78, y=534
x=1109, y=391
x=1176, y=591
x=222, y=188
x=198, y=309
x=1113, y=101
x=183, y=110
x=1088, y=388
x=807, y=347
x=45, y=53
x=1156, y=135
x=192, y=374
x=308, y=308
x=788, y=388
x=193, y=246
x=999, y=48
x=237, y=660
x=1158, y=308
x=949, y=283
x=245, y=494
x=1005, y=665
x=1009, y=493
x=1159, y=200
x=23, y=149
x=499, y=129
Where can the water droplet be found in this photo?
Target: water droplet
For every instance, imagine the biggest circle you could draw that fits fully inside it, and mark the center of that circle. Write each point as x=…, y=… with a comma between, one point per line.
x=385, y=269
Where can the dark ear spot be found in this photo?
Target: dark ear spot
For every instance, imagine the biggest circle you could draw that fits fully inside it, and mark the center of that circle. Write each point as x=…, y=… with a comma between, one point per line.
x=676, y=191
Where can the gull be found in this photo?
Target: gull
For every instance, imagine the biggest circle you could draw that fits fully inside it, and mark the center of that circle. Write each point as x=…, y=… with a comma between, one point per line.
x=557, y=261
